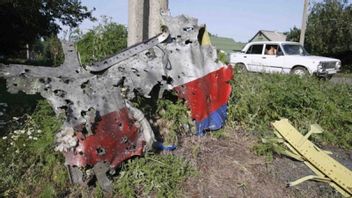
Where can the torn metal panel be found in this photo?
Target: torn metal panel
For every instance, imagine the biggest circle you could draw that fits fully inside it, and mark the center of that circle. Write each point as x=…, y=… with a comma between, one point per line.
x=116, y=138
x=326, y=168
x=207, y=98
x=101, y=125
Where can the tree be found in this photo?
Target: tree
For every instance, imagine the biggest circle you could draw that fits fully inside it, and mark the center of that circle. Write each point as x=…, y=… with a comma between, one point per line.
x=329, y=31
x=102, y=41
x=47, y=51
x=25, y=21
x=329, y=28
x=293, y=34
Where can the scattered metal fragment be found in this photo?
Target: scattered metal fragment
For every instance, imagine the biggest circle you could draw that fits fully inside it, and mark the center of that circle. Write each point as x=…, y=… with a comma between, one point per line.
x=101, y=169
x=102, y=128
x=325, y=167
x=66, y=139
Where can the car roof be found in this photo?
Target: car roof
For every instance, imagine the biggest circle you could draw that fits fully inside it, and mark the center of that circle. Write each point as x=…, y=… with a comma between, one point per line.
x=273, y=42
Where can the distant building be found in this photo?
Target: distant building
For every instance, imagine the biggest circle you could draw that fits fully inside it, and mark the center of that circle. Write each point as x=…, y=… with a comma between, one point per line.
x=264, y=35
x=226, y=44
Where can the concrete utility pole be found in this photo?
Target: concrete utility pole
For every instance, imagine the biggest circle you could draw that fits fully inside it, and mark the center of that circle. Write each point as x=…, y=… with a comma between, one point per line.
x=144, y=19
x=304, y=22
x=157, y=9
x=135, y=21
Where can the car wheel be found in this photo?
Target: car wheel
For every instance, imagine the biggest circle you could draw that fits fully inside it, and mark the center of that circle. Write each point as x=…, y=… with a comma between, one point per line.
x=240, y=68
x=328, y=77
x=300, y=71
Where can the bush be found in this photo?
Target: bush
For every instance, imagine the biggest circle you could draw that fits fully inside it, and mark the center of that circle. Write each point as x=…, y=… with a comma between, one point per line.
x=259, y=99
x=102, y=41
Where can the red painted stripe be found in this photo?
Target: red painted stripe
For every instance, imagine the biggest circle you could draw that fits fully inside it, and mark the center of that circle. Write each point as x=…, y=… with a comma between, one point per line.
x=205, y=95
x=115, y=135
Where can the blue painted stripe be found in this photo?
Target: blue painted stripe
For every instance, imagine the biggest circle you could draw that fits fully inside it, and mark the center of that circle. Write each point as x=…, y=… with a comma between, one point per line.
x=161, y=147
x=213, y=122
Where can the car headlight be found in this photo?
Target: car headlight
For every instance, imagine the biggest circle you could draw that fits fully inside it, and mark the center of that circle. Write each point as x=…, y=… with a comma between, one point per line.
x=338, y=64
x=320, y=66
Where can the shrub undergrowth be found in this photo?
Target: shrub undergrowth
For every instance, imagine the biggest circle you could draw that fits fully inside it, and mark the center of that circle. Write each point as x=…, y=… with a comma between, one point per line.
x=178, y=116
x=169, y=116
x=29, y=165
x=259, y=99
x=159, y=175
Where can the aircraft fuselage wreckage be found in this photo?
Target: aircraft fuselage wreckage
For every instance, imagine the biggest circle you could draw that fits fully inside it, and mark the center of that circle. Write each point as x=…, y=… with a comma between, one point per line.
x=102, y=128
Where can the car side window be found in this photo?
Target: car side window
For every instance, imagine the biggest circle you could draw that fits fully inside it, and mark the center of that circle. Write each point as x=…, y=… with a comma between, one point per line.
x=272, y=49
x=279, y=51
x=255, y=49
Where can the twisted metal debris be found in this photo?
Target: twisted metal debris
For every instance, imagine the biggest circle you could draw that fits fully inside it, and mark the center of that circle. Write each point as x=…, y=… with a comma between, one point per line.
x=102, y=129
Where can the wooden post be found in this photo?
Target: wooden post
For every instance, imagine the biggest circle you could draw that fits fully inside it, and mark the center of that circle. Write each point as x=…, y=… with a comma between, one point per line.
x=304, y=22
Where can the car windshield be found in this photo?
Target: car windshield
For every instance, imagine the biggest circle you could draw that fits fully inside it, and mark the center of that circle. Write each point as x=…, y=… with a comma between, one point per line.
x=294, y=49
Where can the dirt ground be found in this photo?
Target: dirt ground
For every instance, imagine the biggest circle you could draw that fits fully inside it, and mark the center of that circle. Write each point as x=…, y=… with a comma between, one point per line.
x=228, y=168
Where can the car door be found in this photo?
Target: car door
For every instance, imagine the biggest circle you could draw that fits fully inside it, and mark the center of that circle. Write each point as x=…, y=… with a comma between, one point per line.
x=273, y=58
x=254, y=56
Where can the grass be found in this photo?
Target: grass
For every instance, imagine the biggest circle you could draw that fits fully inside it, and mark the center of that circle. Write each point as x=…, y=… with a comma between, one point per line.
x=344, y=75
x=178, y=116
x=29, y=165
x=157, y=175
x=259, y=99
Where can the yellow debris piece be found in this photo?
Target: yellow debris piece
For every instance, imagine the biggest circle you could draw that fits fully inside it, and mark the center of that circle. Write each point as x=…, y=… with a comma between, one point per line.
x=206, y=39
x=326, y=168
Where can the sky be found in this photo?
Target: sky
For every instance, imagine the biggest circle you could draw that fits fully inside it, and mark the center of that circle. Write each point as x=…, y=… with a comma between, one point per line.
x=237, y=19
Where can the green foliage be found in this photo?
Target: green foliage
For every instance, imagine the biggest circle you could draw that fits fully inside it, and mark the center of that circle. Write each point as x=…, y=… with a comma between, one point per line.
x=294, y=34
x=159, y=175
x=223, y=57
x=99, y=193
x=221, y=133
x=328, y=30
x=266, y=150
x=102, y=41
x=23, y=22
x=47, y=52
x=48, y=192
x=29, y=165
x=259, y=99
x=167, y=112
x=178, y=116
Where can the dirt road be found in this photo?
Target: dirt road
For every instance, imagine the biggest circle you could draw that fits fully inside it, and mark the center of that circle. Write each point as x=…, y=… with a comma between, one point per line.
x=228, y=168
x=340, y=80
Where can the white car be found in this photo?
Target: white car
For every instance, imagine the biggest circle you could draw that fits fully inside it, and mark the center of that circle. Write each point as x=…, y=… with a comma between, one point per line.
x=283, y=57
